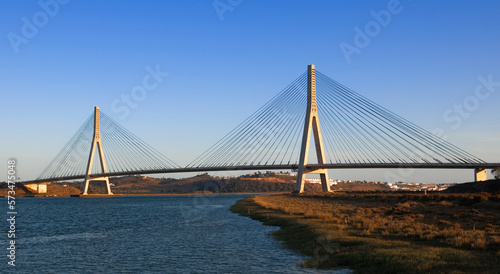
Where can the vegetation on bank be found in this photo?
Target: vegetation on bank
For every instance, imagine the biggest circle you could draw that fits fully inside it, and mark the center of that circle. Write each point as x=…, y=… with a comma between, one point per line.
x=254, y=183
x=204, y=183
x=268, y=182
x=489, y=186
x=250, y=183
x=384, y=233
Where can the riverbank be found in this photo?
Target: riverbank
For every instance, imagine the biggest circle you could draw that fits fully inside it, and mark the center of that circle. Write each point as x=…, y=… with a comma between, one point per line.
x=200, y=193
x=384, y=233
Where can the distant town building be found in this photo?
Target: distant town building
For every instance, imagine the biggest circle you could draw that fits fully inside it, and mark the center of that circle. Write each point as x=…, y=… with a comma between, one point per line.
x=318, y=181
x=37, y=188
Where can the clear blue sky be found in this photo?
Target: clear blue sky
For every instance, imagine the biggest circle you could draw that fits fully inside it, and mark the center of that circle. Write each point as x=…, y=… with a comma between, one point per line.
x=57, y=62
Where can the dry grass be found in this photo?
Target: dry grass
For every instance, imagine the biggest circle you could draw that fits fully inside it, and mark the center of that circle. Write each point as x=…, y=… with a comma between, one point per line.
x=389, y=232
x=439, y=217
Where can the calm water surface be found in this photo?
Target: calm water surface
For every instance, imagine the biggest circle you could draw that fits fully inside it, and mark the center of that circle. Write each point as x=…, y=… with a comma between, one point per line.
x=167, y=234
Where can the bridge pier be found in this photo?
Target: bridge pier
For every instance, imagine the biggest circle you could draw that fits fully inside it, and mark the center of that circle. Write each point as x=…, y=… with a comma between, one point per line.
x=312, y=120
x=96, y=142
x=480, y=175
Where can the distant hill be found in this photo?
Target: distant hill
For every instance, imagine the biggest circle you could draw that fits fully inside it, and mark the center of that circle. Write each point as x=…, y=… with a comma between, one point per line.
x=207, y=184
x=20, y=190
x=203, y=183
x=55, y=189
x=490, y=186
x=360, y=186
x=254, y=183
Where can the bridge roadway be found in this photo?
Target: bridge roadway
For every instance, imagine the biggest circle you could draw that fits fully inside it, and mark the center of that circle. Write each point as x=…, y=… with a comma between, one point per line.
x=310, y=167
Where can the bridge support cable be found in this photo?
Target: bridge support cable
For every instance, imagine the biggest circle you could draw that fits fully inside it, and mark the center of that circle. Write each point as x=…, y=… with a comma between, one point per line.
x=72, y=158
x=268, y=137
x=375, y=134
x=355, y=131
x=140, y=156
x=123, y=151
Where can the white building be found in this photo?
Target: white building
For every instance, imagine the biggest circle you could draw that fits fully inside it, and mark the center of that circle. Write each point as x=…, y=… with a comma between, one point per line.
x=37, y=188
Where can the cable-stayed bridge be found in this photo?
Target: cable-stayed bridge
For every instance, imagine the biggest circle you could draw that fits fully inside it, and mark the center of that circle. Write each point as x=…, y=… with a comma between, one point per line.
x=349, y=131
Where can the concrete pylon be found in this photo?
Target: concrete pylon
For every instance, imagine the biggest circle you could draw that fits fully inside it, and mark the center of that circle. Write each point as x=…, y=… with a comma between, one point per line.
x=96, y=142
x=312, y=120
x=480, y=175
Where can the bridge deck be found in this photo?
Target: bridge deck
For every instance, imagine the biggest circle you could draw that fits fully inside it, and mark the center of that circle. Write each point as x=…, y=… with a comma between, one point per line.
x=277, y=167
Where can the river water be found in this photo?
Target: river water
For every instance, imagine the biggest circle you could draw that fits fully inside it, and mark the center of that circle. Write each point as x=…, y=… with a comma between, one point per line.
x=155, y=234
